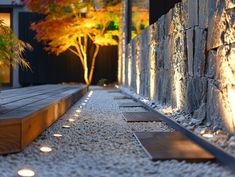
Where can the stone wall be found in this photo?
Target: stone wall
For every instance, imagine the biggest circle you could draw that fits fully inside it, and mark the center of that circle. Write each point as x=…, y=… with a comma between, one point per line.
x=186, y=60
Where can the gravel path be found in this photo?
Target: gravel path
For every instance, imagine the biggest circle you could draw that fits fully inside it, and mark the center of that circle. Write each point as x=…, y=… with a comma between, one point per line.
x=99, y=143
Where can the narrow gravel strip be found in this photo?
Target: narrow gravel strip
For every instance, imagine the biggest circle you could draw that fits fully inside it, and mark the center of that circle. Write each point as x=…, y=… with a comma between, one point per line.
x=100, y=143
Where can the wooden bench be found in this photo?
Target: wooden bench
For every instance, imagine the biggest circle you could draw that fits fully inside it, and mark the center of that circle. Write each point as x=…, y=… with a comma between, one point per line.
x=26, y=112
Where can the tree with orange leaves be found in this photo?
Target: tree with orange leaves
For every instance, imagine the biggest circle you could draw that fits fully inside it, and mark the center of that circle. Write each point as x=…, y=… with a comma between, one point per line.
x=70, y=24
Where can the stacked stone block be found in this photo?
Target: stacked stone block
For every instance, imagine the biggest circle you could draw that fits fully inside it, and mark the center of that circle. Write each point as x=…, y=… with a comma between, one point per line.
x=194, y=51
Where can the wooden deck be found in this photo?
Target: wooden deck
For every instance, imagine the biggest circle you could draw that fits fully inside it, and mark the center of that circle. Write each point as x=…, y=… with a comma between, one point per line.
x=26, y=112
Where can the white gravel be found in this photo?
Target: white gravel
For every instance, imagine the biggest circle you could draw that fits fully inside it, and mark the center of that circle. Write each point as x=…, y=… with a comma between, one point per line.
x=99, y=144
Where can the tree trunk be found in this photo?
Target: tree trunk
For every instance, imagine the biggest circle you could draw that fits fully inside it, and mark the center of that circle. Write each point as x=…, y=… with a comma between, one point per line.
x=97, y=47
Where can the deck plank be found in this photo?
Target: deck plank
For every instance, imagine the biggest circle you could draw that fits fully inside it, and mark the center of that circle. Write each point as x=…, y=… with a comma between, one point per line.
x=27, y=118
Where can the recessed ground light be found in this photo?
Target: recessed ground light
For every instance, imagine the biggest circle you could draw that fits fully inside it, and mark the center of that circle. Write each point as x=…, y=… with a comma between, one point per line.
x=83, y=104
x=76, y=115
x=80, y=107
x=207, y=135
x=57, y=135
x=90, y=94
x=78, y=111
x=26, y=172
x=66, y=126
x=85, y=101
x=45, y=149
x=116, y=86
x=71, y=120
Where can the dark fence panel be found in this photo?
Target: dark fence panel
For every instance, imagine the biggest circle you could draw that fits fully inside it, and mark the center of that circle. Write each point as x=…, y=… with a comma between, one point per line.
x=51, y=69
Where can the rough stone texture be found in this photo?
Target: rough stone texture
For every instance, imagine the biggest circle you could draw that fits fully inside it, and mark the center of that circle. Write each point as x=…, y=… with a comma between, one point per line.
x=126, y=66
x=129, y=64
x=164, y=89
x=168, y=51
x=200, y=113
x=145, y=45
x=123, y=42
x=133, y=67
x=190, y=50
x=190, y=13
x=196, y=93
x=203, y=13
x=221, y=28
x=138, y=62
x=160, y=55
x=199, y=62
x=214, y=97
x=225, y=66
x=179, y=70
x=176, y=23
x=211, y=64
x=160, y=28
x=230, y=4
x=152, y=62
x=168, y=28
x=193, y=43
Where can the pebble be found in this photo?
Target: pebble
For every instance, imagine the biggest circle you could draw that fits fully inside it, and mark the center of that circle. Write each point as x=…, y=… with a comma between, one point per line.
x=100, y=143
x=231, y=145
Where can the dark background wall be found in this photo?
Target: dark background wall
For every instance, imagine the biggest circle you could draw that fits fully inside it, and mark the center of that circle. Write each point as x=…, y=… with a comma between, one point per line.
x=159, y=8
x=49, y=68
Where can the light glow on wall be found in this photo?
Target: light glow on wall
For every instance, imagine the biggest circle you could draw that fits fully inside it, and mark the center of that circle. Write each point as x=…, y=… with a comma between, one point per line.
x=123, y=60
x=129, y=64
x=178, y=93
x=152, y=62
x=138, y=66
x=227, y=69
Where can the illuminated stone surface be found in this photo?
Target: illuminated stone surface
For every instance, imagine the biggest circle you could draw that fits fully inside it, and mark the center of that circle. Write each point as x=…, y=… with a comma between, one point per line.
x=194, y=46
x=190, y=13
x=221, y=28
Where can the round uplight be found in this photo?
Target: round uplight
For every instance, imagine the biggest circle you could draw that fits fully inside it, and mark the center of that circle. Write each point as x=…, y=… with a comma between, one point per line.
x=207, y=135
x=26, y=172
x=71, y=120
x=83, y=104
x=66, y=126
x=85, y=101
x=45, y=149
x=57, y=135
x=78, y=111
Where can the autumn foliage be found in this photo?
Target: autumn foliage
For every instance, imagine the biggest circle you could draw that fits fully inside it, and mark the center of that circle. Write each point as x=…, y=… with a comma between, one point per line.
x=11, y=48
x=71, y=24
